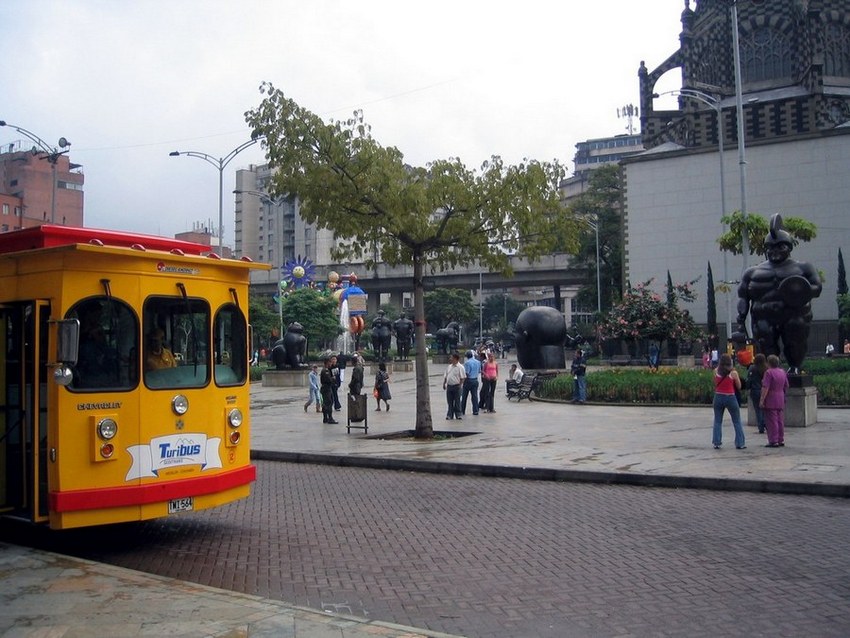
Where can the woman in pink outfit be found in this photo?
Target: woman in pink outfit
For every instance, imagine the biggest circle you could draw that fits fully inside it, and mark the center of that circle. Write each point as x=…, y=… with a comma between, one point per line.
x=774, y=383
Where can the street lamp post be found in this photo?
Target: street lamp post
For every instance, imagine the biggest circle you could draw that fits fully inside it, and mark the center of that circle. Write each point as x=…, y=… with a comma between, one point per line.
x=220, y=164
x=595, y=226
x=739, y=109
x=51, y=154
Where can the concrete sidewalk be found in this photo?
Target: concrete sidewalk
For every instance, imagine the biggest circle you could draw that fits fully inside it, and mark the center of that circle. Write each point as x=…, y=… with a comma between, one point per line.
x=48, y=595
x=669, y=446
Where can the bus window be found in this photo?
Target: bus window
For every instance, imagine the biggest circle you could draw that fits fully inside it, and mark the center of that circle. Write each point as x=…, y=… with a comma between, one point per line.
x=107, y=358
x=176, y=334
x=230, y=347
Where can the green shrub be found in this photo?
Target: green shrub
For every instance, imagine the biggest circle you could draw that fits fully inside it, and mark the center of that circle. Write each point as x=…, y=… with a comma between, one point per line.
x=833, y=389
x=673, y=386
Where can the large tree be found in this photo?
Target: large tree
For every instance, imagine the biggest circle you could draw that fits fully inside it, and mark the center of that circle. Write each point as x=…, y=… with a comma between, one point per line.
x=711, y=304
x=434, y=217
x=600, y=208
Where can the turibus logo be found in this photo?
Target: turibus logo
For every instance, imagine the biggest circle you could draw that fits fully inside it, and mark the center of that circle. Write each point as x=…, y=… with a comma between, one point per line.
x=173, y=450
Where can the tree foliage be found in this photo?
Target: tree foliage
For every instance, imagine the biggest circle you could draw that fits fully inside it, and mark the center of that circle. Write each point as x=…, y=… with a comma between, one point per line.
x=316, y=311
x=448, y=304
x=500, y=311
x=600, y=204
x=643, y=314
x=711, y=302
x=434, y=217
x=757, y=229
x=263, y=316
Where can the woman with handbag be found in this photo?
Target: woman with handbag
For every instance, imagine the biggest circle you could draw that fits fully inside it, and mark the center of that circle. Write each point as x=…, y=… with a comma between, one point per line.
x=726, y=382
x=381, y=390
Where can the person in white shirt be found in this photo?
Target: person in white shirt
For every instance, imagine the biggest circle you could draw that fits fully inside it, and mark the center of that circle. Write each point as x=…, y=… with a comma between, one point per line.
x=516, y=374
x=452, y=382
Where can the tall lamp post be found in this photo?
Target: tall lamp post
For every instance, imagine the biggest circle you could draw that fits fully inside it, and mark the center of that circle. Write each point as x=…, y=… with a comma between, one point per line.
x=220, y=163
x=715, y=103
x=739, y=109
x=595, y=226
x=51, y=154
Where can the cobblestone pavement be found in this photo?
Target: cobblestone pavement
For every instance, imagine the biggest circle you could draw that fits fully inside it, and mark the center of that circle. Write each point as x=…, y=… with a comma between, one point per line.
x=503, y=557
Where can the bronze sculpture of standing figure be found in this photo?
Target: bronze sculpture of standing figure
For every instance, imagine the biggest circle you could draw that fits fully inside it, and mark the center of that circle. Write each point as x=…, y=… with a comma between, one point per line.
x=777, y=294
x=381, y=336
x=403, y=328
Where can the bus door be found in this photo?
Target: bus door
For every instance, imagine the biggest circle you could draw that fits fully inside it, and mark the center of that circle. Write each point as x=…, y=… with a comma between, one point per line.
x=23, y=412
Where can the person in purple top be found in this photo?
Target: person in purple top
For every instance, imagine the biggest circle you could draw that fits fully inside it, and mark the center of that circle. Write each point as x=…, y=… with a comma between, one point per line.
x=774, y=383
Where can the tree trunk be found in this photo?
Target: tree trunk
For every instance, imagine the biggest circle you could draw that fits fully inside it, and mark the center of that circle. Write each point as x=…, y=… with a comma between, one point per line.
x=424, y=426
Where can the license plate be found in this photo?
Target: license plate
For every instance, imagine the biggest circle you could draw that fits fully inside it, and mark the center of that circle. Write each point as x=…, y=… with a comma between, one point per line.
x=181, y=505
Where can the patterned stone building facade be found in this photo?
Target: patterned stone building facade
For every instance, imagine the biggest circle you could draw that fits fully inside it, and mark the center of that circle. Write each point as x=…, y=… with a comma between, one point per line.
x=795, y=63
x=795, y=69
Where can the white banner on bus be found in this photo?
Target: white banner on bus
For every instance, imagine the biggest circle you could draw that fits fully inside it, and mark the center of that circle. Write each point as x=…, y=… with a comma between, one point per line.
x=174, y=450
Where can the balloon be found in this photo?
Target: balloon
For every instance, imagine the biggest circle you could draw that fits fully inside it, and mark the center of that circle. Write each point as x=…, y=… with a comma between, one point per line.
x=356, y=325
x=333, y=276
x=337, y=295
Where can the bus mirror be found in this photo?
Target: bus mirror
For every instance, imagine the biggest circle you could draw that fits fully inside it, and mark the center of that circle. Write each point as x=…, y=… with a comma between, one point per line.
x=67, y=341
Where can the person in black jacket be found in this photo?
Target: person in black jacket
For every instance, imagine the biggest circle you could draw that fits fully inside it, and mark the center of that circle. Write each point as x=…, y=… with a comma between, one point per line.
x=579, y=369
x=327, y=380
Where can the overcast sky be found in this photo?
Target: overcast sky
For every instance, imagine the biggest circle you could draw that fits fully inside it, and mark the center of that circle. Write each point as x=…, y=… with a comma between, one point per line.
x=128, y=81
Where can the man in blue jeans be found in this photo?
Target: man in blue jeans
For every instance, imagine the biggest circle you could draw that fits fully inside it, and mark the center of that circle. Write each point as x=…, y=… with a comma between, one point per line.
x=578, y=369
x=470, y=386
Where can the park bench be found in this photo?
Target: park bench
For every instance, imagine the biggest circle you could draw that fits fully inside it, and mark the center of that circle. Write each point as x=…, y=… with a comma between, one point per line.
x=530, y=383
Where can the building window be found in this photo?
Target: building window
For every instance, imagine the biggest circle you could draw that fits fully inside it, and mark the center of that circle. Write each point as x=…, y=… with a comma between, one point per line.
x=5, y=209
x=17, y=211
x=766, y=55
x=837, y=51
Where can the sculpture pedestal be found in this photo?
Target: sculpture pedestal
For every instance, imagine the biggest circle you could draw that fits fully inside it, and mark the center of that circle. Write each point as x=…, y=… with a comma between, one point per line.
x=801, y=408
x=403, y=366
x=286, y=378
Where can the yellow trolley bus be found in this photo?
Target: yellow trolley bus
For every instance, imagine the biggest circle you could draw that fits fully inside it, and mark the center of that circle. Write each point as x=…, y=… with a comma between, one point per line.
x=124, y=377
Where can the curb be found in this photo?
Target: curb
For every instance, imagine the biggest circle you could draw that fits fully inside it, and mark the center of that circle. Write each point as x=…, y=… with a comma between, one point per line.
x=546, y=474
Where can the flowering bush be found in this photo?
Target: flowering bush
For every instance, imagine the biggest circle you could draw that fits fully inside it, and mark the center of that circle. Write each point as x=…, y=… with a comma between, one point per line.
x=642, y=314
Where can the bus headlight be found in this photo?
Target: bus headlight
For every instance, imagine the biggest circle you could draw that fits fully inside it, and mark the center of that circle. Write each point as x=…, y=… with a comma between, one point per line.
x=180, y=405
x=107, y=428
x=234, y=417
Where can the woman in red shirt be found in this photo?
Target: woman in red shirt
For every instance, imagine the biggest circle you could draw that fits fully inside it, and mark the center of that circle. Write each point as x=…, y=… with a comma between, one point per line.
x=726, y=381
x=490, y=374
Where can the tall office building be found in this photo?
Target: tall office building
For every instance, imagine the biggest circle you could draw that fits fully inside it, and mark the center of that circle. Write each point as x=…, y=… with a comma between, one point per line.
x=269, y=228
x=27, y=189
x=594, y=153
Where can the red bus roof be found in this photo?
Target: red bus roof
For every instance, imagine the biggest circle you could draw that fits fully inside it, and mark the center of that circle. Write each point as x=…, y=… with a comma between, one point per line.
x=49, y=235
